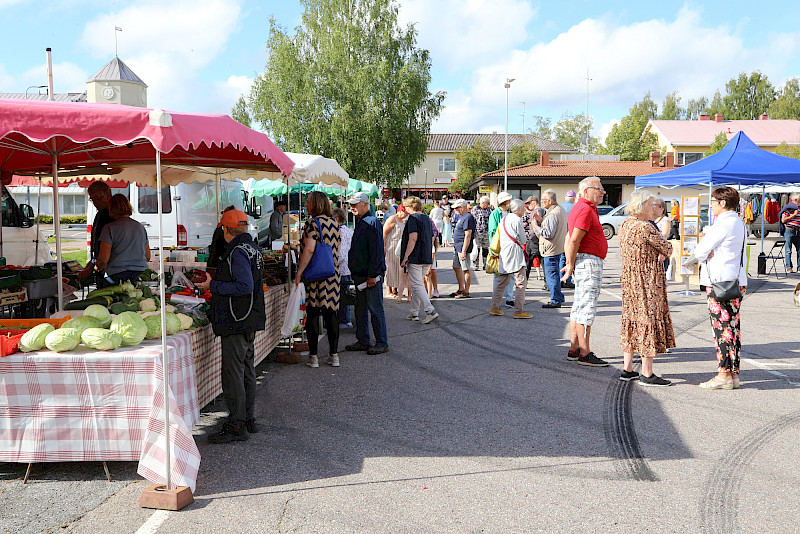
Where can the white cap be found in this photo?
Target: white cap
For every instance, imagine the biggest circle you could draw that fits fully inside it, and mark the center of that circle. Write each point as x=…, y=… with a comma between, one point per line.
x=458, y=203
x=504, y=197
x=358, y=197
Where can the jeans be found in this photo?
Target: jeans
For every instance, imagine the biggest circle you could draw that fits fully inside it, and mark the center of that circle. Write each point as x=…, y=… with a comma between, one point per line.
x=508, y=296
x=239, y=376
x=552, y=274
x=419, y=297
x=370, y=303
x=792, y=237
x=344, y=311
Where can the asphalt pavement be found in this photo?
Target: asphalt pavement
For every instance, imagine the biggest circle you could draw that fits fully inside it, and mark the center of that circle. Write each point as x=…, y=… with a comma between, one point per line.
x=477, y=423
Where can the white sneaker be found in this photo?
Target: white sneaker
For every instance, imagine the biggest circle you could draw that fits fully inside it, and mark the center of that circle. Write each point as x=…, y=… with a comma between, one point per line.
x=431, y=317
x=333, y=360
x=313, y=362
x=412, y=317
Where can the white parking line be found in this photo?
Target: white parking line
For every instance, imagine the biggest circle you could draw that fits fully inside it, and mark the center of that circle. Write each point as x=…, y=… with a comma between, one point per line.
x=607, y=292
x=156, y=520
x=771, y=371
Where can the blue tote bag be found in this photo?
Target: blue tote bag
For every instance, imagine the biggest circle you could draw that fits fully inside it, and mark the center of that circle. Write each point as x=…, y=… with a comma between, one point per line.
x=321, y=265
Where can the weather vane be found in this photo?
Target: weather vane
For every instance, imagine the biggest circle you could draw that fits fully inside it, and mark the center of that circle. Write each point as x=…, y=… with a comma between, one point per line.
x=116, y=48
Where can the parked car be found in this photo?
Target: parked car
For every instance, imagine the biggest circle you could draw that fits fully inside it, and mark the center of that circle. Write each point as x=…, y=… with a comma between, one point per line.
x=612, y=220
x=755, y=227
x=19, y=236
x=602, y=209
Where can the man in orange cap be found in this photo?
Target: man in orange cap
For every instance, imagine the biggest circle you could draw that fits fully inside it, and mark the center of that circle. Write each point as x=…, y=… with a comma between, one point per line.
x=237, y=313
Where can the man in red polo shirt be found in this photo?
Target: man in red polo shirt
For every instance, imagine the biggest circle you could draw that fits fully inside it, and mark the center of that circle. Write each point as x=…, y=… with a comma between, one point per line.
x=585, y=248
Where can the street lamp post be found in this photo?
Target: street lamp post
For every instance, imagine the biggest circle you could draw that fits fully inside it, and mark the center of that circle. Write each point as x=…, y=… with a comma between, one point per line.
x=426, y=186
x=505, y=167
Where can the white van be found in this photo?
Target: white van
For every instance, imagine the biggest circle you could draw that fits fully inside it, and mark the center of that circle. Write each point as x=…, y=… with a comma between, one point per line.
x=259, y=209
x=190, y=212
x=18, y=242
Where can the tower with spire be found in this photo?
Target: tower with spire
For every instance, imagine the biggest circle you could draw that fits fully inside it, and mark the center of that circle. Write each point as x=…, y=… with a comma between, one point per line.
x=116, y=83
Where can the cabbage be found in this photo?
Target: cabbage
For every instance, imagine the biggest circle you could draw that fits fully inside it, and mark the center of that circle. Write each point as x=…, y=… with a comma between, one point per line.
x=186, y=321
x=173, y=323
x=97, y=338
x=82, y=323
x=116, y=341
x=62, y=339
x=130, y=327
x=153, y=323
x=170, y=308
x=100, y=313
x=33, y=339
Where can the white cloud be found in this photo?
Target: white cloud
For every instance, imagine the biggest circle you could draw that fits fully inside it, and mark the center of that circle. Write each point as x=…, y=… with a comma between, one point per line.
x=605, y=129
x=67, y=78
x=8, y=3
x=225, y=94
x=166, y=45
x=460, y=33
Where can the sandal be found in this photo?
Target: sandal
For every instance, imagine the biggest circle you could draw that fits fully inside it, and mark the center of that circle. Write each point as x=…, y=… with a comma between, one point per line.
x=717, y=384
x=462, y=296
x=455, y=294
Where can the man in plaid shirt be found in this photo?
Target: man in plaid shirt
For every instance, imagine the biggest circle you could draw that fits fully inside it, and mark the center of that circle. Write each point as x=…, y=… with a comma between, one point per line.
x=481, y=213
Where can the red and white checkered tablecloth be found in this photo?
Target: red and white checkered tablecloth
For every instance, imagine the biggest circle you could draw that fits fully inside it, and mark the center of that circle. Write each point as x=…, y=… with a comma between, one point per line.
x=208, y=348
x=102, y=405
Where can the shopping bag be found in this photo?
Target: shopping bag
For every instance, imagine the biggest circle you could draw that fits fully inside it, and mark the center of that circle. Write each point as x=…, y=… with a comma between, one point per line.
x=295, y=311
x=321, y=265
x=495, y=244
x=493, y=263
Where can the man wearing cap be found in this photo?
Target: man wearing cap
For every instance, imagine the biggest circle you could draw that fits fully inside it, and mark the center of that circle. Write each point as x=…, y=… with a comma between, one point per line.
x=585, y=249
x=552, y=231
x=367, y=262
x=503, y=200
x=237, y=313
x=569, y=201
x=462, y=246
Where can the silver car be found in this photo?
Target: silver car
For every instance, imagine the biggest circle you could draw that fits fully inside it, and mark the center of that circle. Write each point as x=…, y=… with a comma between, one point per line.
x=613, y=219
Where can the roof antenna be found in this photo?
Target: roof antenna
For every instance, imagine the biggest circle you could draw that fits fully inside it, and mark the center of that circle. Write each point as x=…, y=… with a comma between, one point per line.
x=116, y=50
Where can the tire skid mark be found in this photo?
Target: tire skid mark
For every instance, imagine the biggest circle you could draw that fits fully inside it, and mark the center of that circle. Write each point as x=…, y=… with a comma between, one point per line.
x=621, y=436
x=719, y=504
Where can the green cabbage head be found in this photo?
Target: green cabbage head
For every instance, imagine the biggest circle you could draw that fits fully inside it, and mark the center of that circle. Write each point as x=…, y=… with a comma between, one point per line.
x=33, y=339
x=130, y=327
x=82, y=323
x=98, y=339
x=116, y=340
x=100, y=313
x=153, y=323
x=62, y=340
x=173, y=323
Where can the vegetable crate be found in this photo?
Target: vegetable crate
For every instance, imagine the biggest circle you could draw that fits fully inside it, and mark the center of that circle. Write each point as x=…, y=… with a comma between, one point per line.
x=9, y=344
x=11, y=324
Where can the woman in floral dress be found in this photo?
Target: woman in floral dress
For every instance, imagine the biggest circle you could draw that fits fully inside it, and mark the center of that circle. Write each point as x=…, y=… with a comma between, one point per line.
x=646, y=323
x=396, y=279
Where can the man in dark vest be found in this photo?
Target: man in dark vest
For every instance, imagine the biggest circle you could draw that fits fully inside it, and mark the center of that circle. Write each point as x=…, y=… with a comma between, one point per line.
x=237, y=313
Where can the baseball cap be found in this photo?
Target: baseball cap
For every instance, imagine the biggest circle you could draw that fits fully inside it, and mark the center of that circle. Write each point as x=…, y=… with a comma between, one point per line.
x=234, y=219
x=458, y=203
x=504, y=197
x=358, y=197
x=531, y=198
x=570, y=193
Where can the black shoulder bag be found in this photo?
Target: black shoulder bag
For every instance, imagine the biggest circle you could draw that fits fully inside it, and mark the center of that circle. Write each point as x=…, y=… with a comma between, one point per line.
x=728, y=289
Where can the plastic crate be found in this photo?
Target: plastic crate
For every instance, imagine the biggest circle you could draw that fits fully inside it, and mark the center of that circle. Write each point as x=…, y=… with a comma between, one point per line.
x=30, y=323
x=16, y=297
x=36, y=272
x=9, y=344
x=9, y=279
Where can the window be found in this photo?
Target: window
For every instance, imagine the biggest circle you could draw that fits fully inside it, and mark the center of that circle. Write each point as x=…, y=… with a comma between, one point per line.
x=148, y=200
x=685, y=158
x=447, y=165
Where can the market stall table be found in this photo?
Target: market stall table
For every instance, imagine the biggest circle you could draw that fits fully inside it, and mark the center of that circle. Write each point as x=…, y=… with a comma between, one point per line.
x=90, y=405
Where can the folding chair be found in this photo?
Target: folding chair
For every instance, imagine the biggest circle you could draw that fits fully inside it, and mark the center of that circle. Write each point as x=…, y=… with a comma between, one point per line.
x=776, y=255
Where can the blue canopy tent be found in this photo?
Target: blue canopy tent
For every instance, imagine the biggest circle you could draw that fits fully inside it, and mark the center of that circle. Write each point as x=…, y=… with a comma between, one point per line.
x=740, y=163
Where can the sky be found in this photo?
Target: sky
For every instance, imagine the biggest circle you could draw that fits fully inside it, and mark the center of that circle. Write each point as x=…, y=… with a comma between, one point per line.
x=200, y=56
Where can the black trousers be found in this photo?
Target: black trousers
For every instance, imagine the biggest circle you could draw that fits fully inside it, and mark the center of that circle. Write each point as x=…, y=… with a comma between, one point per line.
x=239, y=376
x=331, y=319
x=674, y=230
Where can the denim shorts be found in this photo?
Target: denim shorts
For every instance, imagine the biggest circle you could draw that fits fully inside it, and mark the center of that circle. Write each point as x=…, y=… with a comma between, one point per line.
x=466, y=264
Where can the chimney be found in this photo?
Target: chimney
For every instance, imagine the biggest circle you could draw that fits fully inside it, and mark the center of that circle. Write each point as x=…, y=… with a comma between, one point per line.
x=763, y=117
x=704, y=117
x=545, y=159
x=718, y=117
x=669, y=159
x=655, y=158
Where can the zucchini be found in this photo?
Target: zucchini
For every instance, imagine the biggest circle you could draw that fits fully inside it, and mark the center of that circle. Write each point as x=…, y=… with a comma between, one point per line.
x=83, y=304
x=105, y=292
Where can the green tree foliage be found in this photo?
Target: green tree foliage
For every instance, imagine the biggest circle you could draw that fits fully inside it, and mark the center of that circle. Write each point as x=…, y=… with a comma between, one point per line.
x=523, y=154
x=544, y=127
x=787, y=103
x=472, y=161
x=626, y=137
x=349, y=84
x=671, y=109
x=696, y=107
x=240, y=113
x=719, y=143
x=747, y=97
x=785, y=149
x=717, y=105
x=569, y=129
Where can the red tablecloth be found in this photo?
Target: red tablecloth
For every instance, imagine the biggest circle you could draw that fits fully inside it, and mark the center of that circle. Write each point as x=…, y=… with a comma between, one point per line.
x=96, y=405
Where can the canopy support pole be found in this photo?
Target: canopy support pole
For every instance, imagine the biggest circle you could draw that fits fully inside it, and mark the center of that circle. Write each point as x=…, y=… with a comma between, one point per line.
x=57, y=226
x=38, y=221
x=162, y=289
x=763, y=194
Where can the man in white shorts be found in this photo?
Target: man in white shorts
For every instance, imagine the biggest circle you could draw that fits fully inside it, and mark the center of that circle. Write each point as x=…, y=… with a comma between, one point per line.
x=462, y=247
x=586, y=248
